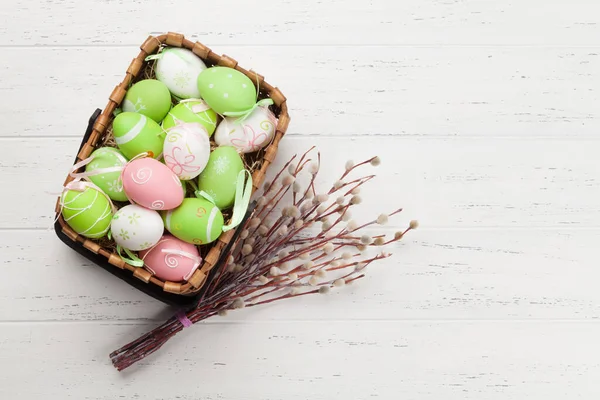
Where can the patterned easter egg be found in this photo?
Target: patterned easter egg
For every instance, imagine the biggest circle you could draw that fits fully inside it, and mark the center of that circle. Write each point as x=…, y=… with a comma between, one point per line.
x=88, y=212
x=191, y=111
x=171, y=259
x=186, y=150
x=179, y=69
x=226, y=90
x=148, y=97
x=135, y=134
x=252, y=134
x=152, y=184
x=219, y=178
x=196, y=221
x=136, y=228
x=107, y=158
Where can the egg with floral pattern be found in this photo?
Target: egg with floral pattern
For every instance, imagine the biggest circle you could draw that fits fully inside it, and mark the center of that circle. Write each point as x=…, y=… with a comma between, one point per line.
x=219, y=178
x=250, y=134
x=179, y=69
x=171, y=259
x=136, y=228
x=186, y=150
x=104, y=170
x=152, y=184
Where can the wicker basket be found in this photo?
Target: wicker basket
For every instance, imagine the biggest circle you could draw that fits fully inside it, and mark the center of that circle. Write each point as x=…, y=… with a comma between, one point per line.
x=98, y=129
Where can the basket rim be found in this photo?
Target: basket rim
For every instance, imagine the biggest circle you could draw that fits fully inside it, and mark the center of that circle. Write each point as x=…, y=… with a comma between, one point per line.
x=150, y=46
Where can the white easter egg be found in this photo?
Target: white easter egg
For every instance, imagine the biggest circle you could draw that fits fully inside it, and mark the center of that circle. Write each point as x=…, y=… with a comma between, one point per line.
x=252, y=134
x=187, y=149
x=178, y=69
x=136, y=228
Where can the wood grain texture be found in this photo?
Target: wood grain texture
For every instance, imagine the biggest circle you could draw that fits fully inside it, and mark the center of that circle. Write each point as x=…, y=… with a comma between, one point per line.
x=337, y=22
x=433, y=275
x=454, y=360
x=399, y=91
x=486, y=117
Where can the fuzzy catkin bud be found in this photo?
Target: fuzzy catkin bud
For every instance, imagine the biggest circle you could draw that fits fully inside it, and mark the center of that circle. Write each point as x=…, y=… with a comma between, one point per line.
x=366, y=239
x=382, y=219
x=379, y=241
x=398, y=235
x=249, y=258
x=347, y=216
x=238, y=303
x=266, y=185
x=330, y=234
x=356, y=190
x=261, y=201
x=349, y=165
x=263, y=279
x=291, y=169
x=324, y=289
x=263, y=230
x=246, y=249
x=309, y=194
x=361, y=247
x=244, y=234
x=230, y=260
x=250, y=241
x=287, y=180
x=313, y=281
x=335, y=264
x=323, y=198
x=283, y=253
x=328, y=248
x=355, y=200
x=338, y=184
x=286, y=266
x=360, y=266
x=305, y=207
x=294, y=212
x=339, y=283
x=222, y=313
x=254, y=222
x=294, y=290
x=375, y=161
x=298, y=224
x=283, y=230
x=340, y=200
x=314, y=168
x=414, y=224
x=346, y=255
x=321, y=273
x=237, y=268
x=308, y=265
x=274, y=271
x=304, y=256
x=293, y=276
x=296, y=187
x=326, y=225
x=351, y=226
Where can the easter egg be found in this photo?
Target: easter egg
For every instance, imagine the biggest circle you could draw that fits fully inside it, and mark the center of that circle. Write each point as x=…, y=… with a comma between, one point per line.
x=135, y=134
x=219, y=178
x=171, y=259
x=152, y=184
x=178, y=69
x=88, y=212
x=226, y=90
x=191, y=111
x=136, y=228
x=196, y=221
x=252, y=134
x=148, y=97
x=186, y=150
x=106, y=158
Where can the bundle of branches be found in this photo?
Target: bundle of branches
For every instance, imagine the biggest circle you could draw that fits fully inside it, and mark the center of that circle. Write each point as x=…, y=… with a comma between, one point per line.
x=299, y=241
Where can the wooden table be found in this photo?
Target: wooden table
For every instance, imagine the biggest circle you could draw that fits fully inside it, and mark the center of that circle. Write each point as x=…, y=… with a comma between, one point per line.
x=486, y=117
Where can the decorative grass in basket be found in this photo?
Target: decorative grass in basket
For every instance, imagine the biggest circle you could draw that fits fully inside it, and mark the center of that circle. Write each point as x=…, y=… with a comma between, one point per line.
x=165, y=172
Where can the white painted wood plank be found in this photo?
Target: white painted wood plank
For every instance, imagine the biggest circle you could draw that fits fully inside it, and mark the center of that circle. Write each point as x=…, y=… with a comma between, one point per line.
x=443, y=182
x=433, y=274
x=465, y=91
x=471, y=22
x=317, y=360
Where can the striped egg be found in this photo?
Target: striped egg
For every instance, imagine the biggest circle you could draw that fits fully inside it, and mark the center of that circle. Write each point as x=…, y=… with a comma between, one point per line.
x=104, y=171
x=196, y=221
x=152, y=184
x=136, y=134
x=87, y=211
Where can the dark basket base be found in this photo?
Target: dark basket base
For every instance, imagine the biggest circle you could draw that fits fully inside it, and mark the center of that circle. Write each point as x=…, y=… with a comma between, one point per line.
x=184, y=301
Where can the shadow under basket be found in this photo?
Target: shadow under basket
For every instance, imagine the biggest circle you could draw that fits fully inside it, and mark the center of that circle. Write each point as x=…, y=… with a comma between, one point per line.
x=98, y=132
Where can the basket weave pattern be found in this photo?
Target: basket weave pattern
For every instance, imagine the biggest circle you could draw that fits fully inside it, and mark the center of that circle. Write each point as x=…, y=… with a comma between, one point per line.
x=104, y=121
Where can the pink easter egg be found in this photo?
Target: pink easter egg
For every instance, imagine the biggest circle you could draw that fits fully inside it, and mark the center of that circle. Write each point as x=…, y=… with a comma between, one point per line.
x=152, y=184
x=171, y=259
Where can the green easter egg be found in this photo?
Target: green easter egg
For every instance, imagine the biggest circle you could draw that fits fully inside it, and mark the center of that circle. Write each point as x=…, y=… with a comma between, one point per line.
x=219, y=177
x=109, y=182
x=135, y=133
x=226, y=89
x=88, y=212
x=196, y=221
x=191, y=111
x=148, y=97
